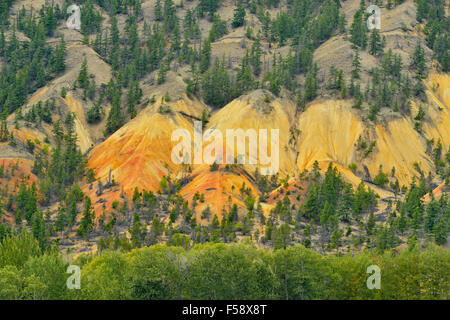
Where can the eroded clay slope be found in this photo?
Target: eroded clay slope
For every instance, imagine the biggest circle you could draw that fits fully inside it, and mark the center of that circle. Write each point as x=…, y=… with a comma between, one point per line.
x=139, y=153
x=329, y=132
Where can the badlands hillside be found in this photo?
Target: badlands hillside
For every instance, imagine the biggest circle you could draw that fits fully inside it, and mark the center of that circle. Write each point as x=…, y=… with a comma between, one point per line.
x=88, y=116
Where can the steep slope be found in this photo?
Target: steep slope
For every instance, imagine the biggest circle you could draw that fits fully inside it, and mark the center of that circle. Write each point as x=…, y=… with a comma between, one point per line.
x=329, y=132
x=220, y=189
x=398, y=26
x=254, y=111
x=88, y=135
x=139, y=154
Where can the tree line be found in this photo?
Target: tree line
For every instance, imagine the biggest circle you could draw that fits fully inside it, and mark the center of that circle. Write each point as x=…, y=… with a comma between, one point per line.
x=220, y=271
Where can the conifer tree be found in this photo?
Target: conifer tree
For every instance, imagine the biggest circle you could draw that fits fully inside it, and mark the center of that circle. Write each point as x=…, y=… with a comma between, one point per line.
x=83, y=80
x=2, y=41
x=311, y=84
x=358, y=29
x=158, y=11
x=205, y=56
x=136, y=231
x=115, y=118
x=256, y=56
x=216, y=85
x=375, y=45
x=87, y=219
x=238, y=16
x=59, y=64
x=418, y=61
x=90, y=19
x=356, y=64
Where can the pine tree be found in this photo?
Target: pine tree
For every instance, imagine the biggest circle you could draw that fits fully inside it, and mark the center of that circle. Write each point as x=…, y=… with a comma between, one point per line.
x=59, y=64
x=370, y=224
x=136, y=232
x=342, y=23
x=90, y=19
x=441, y=49
x=205, y=56
x=61, y=220
x=418, y=61
x=133, y=97
x=176, y=40
x=256, y=56
x=311, y=84
x=188, y=24
x=375, y=42
x=216, y=85
x=115, y=118
x=72, y=211
x=209, y=6
x=114, y=44
x=441, y=228
x=114, y=31
x=300, y=107
x=98, y=43
x=91, y=91
x=169, y=16
x=218, y=29
x=83, y=80
x=162, y=72
x=2, y=41
x=158, y=11
x=87, y=222
x=356, y=64
x=358, y=29
x=244, y=78
x=238, y=16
